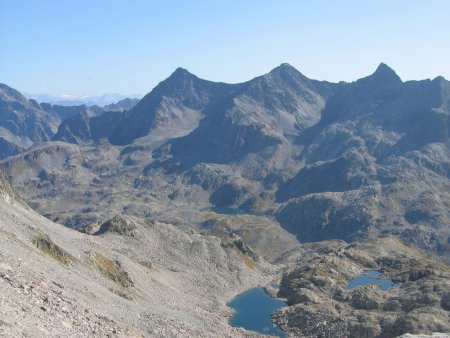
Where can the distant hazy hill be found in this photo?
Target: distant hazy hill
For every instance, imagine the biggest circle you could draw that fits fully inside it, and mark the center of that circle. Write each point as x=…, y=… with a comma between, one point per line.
x=124, y=104
x=71, y=100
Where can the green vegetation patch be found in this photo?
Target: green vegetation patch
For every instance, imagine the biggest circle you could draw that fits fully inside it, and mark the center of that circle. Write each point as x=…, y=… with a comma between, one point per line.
x=111, y=269
x=45, y=244
x=247, y=260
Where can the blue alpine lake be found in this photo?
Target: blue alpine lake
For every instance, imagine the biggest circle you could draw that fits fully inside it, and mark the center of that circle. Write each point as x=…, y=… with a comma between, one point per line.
x=253, y=310
x=371, y=277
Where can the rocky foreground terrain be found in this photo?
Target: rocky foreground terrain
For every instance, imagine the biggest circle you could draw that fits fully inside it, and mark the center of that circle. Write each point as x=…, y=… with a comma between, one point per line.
x=129, y=279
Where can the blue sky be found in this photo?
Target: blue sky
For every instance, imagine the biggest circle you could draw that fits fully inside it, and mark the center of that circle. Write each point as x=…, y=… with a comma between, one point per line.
x=83, y=47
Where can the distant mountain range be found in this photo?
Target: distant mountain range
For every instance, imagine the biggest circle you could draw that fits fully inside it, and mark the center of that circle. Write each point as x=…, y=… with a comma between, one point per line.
x=326, y=160
x=88, y=100
x=24, y=122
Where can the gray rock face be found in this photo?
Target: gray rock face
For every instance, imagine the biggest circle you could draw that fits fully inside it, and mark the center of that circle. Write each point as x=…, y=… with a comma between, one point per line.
x=75, y=129
x=64, y=112
x=8, y=148
x=6, y=192
x=445, y=301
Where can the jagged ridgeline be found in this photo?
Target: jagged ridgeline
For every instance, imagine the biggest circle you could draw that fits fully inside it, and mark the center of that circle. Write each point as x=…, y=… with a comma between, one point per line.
x=324, y=160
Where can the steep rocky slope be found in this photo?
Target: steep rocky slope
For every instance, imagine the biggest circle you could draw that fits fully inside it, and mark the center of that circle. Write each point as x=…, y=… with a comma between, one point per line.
x=164, y=281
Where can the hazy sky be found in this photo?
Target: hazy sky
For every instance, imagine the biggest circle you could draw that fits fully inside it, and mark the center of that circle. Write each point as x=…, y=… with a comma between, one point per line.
x=92, y=47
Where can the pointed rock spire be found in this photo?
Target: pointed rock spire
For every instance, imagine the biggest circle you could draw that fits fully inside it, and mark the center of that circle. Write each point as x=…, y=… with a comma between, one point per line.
x=180, y=73
x=385, y=73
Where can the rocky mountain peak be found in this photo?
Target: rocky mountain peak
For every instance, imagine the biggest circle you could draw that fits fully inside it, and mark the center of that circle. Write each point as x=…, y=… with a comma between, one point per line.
x=286, y=70
x=181, y=70
x=284, y=67
x=385, y=73
x=181, y=74
x=439, y=79
x=9, y=94
x=178, y=100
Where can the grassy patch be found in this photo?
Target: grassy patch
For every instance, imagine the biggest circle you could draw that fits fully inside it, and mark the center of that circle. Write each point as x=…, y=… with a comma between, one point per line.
x=46, y=245
x=236, y=243
x=247, y=260
x=111, y=269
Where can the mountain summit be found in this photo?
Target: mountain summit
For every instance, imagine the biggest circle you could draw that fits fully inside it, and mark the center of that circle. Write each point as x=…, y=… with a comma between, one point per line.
x=284, y=68
x=385, y=73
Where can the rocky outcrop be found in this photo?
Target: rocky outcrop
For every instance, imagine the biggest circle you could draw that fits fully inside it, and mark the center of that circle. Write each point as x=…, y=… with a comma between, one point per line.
x=9, y=148
x=230, y=239
x=362, y=161
x=321, y=305
x=119, y=225
x=24, y=123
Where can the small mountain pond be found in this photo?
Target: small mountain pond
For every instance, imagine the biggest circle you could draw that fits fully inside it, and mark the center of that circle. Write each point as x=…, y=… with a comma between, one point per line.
x=253, y=310
x=371, y=277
